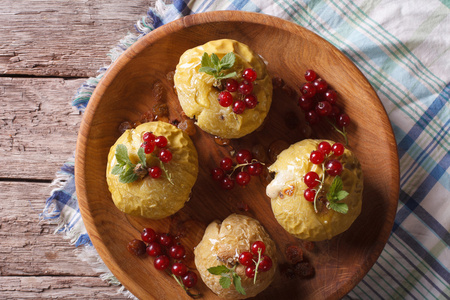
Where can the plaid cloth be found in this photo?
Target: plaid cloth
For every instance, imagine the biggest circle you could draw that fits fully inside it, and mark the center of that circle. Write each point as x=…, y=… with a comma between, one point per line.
x=402, y=47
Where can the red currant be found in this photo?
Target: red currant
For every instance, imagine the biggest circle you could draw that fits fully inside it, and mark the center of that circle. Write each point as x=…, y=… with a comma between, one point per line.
x=162, y=262
x=165, y=155
x=310, y=75
x=238, y=107
x=165, y=239
x=312, y=117
x=245, y=87
x=249, y=74
x=154, y=249
x=250, y=101
x=227, y=183
x=256, y=246
x=334, y=167
x=254, y=169
x=155, y=172
x=338, y=149
x=177, y=251
x=320, y=85
x=317, y=157
x=335, y=111
x=250, y=271
x=309, y=194
x=311, y=179
x=161, y=141
x=246, y=259
x=308, y=90
x=343, y=120
x=305, y=103
x=231, y=85
x=225, y=98
x=331, y=96
x=265, y=264
x=189, y=279
x=136, y=247
x=242, y=178
x=149, y=147
x=324, y=147
x=179, y=269
x=226, y=164
x=148, y=235
x=148, y=137
x=323, y=108
x=217, y=174
x=243, y=156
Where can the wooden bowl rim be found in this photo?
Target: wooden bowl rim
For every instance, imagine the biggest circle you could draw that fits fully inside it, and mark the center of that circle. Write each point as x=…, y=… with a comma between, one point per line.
x=168, y=29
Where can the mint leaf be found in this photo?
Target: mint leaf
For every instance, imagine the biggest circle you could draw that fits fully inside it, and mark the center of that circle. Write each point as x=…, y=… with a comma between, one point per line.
x=129, y=175
x=218, y=270
x=237, y=284
x=229, y=75
x=215, y=60
x=142, y=157
x=341, y=195
x=206, y=61
x=335, y=187
x=122, y=154
x=227, y=61
x=117, y=169
x=339, y=207
x=207, y=70
x=225, y=282
x=213, y=65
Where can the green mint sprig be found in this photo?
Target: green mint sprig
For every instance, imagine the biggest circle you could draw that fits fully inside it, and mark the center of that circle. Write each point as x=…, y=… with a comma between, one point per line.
x=127, y=171
x=228, y=276
x=336, y=194
x=212, y=65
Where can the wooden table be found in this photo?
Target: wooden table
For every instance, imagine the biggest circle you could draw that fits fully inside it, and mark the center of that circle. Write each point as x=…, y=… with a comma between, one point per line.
x=48, y=49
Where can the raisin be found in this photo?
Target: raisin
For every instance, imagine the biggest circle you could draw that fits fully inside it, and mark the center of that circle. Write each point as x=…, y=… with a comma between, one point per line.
x=136, y=247
x=304, y=269
x=309, y=246
x=277, y=82
x=294, y=254
x=124, y=126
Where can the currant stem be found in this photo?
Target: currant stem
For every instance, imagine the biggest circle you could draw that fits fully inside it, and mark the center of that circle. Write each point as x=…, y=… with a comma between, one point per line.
x=243, y=165
x=195, y=296
x=342, y=132
x=257, y=265
x=169, y=177
x=320, y=188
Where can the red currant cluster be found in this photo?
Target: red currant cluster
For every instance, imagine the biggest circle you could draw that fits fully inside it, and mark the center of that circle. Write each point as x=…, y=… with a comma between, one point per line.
x=255, y=260
x=318, y=100
x=333, y=167
x=245, y=162
x=242, y=90
x=163, y=247
x=150, y=143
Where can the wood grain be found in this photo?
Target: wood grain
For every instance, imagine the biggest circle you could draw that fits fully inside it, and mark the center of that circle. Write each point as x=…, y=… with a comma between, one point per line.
x=45, y=44
x=37, y=123
x=34, y=262
x=63, y=38
x=341, y=262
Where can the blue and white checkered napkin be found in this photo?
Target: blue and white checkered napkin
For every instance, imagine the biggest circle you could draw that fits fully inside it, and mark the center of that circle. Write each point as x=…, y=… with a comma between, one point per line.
x=402, y=47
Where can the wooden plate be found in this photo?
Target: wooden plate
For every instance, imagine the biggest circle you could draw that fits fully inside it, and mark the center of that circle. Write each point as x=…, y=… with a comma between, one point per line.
x=125, y=93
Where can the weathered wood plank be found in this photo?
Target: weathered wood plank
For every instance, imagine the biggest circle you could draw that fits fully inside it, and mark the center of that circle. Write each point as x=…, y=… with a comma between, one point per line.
x=46, y=287
x=29, y=247
x=34, y=262
x=63, y=38
x=38, y=127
